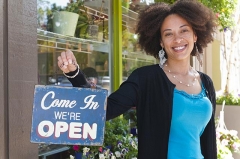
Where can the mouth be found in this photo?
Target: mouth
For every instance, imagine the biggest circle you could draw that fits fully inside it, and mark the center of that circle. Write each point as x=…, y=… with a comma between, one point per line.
x=179, y=48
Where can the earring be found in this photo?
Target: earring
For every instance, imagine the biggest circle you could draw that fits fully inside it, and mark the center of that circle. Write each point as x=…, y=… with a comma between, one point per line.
x=198, y=55
x=162, y=58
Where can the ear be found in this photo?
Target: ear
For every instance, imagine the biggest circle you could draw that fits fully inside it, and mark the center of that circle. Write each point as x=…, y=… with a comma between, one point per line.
x=194, y=37
x=161, y=44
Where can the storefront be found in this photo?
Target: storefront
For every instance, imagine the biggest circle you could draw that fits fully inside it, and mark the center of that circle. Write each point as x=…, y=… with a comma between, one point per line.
x=103, y=39
x=103, y=42
x=28, y=56
x=29, y=46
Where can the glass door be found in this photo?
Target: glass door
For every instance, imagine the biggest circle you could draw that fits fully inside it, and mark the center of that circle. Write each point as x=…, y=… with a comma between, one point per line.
x=81, y=26
x=132, y=55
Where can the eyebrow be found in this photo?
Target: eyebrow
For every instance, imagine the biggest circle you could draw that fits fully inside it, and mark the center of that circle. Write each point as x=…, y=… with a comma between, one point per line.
x=179, y=27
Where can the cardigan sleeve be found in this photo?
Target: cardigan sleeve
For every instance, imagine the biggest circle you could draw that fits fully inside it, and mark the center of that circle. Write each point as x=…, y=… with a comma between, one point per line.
x=79, y=80
x=208, y=138
x=124, y=98
x=119, y=101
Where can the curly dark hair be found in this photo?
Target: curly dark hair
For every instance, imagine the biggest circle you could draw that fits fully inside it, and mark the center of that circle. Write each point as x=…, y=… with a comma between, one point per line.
x=201, y=18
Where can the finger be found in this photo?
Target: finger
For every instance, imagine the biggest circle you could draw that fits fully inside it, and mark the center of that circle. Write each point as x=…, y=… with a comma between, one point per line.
x=60, y=59
x=63, y=67
x=61, y=63
x=74, y=58
x=69, y=55
x=64, y=58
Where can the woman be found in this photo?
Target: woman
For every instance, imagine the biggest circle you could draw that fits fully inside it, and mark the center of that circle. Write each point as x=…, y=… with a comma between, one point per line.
x=175, y=103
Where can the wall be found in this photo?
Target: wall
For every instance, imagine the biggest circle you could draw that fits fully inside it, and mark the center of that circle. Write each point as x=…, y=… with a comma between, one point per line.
x=3, y=75
x=216, y=73
x=18, y=60
x=211, y=65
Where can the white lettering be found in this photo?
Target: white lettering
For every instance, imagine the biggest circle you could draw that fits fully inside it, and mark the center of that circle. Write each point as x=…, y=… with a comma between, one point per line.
x=72, y=104
x=74, y=116
x=60, y=127
x=74, y=130
x=92, y=132
x=90, y=103
x=43, y=99
x=54, y=103
x=64, y=115
x=57, y=102
x=77, y=116
x=58, y=115
x=47, y=124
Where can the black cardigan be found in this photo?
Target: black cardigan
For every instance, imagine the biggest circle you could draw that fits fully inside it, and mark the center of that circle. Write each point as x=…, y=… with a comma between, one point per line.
x=151, y=92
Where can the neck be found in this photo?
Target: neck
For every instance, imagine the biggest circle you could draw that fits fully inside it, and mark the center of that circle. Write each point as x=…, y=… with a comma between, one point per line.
x=183, y=74
x=179, y=68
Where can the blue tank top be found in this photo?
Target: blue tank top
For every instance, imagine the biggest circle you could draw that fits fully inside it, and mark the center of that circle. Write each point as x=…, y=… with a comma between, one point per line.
x=190, y=115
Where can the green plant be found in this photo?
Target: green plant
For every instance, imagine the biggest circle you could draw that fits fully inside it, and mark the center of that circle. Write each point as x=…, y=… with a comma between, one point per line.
x=118, y=141
x=227, y=143
x=227, y=140
x=223, y=9
x=41, y=5
x=87, y=152
x=83, y=20
x=229, y=99
x=114, y=128
x=74, y=6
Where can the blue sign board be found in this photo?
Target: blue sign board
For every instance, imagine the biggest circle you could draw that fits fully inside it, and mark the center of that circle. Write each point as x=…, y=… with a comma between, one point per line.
x=68, y=115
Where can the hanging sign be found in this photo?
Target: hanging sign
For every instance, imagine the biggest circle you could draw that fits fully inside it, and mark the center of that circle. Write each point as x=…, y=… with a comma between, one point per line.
x=68, y=115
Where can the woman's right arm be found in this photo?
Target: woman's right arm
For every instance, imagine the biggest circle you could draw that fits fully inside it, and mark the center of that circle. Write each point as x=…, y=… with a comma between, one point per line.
x=126, y=97
x=118, y=102
x=68, y=64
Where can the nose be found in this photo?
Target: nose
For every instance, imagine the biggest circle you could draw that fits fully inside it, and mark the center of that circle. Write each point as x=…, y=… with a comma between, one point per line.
x=178, y=39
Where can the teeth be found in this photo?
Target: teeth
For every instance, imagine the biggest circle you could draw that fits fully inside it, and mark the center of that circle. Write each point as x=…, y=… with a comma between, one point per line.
x=179, y=48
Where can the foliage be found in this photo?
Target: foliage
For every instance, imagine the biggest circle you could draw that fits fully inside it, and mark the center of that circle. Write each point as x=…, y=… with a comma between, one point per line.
x=227, y=142
x=83, y=20
x=118, y=142
x=223, y=10
x=229, y=98
x=87, y=152
x=131, y=115
x=41, y=5
x=125, y=148
x=114, y=128
x=74, y=7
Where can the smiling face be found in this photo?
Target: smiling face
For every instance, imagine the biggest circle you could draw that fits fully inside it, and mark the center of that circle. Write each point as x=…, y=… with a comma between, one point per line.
x=177, y=37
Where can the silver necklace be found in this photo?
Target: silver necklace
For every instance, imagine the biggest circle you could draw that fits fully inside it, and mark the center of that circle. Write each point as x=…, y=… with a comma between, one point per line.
x=180, y=81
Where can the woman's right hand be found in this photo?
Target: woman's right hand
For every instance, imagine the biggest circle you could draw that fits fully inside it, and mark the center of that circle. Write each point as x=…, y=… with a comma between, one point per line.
x=67, y=61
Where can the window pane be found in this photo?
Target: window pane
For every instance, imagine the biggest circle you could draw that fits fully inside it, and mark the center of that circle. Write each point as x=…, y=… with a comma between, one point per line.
x=81, y=27
x=133, y=56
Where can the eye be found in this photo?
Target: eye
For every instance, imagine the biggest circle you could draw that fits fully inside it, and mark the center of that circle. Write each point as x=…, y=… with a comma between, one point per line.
x=184, y=30
x=168, y=34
